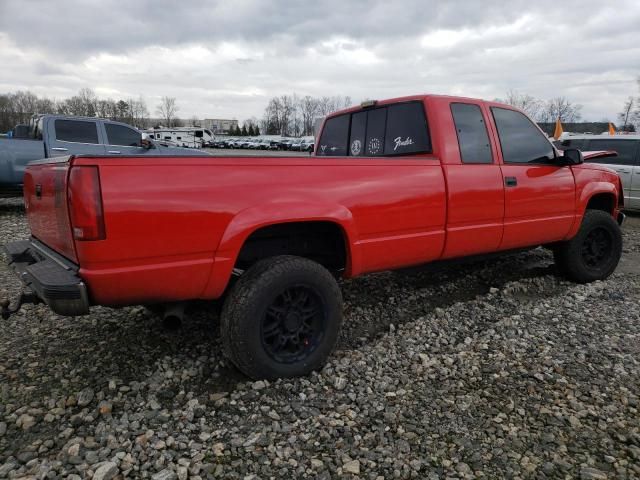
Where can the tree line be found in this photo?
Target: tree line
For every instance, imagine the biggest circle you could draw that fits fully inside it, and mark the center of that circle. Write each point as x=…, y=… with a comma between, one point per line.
x=543, y=111
x=628, y=120
x=293, y=115
x=18, y=107
x=287, y=115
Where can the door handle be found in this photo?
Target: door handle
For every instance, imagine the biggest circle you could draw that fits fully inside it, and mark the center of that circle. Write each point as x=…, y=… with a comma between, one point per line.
x=114, y=151
x=510, y=181
x=60, y=149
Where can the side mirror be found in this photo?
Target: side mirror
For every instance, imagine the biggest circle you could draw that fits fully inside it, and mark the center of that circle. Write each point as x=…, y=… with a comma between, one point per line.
x=145, y=142
x=572, y=156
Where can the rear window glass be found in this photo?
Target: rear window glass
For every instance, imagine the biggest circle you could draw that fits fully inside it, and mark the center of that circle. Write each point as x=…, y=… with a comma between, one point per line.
x=376, y=123
x=76, y=131
x=334, y=136
x=471, y=129
x=399, y=129
x=358, y=132
x=626, y=149
x=406, y=130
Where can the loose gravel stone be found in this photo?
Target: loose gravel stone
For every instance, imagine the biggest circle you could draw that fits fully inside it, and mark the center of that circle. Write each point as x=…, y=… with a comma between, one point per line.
x=496, y=369
x=106, y=471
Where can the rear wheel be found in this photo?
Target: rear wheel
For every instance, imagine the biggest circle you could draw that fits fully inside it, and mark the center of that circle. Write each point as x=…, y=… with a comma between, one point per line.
x=594, y=253
x=281, y=318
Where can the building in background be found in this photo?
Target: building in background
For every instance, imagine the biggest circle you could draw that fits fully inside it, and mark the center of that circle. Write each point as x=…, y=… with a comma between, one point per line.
x=219, y=125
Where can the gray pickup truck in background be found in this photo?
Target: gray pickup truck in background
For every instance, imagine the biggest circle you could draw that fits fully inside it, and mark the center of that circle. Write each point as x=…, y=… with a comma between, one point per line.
x=57, y=135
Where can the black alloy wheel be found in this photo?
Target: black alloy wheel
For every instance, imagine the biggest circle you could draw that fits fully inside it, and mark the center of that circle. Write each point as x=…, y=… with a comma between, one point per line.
x=293, y=325
x=597, y=247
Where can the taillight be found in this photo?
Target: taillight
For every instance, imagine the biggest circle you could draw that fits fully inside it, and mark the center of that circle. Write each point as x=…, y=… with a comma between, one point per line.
x=85, y=203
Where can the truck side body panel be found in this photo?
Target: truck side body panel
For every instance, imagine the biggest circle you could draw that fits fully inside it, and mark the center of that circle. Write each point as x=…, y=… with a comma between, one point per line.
x=165, y=218
x=175, y=226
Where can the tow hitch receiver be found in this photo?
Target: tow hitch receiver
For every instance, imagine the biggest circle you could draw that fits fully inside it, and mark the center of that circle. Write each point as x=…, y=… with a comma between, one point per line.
x=26, y=296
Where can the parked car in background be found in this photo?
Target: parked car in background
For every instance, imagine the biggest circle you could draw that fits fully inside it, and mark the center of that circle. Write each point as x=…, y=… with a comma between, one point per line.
x=626, y=164
x=296, y=145
x=49, y=136
x=285, y=143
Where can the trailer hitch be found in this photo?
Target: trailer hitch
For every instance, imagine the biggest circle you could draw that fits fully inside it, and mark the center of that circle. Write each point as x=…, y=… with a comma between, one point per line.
x=26, y=296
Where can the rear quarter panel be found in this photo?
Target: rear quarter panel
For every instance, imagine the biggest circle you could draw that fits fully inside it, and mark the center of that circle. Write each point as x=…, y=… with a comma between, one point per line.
x=170, y=220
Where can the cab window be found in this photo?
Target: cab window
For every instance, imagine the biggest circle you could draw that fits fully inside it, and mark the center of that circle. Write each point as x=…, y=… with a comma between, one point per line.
x=521, y=141
x=122, y=136
x=76, y=131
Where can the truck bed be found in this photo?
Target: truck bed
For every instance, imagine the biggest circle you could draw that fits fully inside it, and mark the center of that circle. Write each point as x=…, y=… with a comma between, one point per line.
x=182, y=218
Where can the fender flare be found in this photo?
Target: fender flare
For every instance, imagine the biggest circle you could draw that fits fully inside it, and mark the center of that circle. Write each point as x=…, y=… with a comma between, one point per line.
x=252, y=219
x=586, y=194
x=596, y=188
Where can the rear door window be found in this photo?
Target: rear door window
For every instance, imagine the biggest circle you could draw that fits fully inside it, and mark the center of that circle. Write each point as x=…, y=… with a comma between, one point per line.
x=471, y=129
x=76, y=131
x=122, y=136
x=627, y=151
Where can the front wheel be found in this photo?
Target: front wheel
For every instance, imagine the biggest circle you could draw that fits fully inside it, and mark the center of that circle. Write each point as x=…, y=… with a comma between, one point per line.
x=281, y=318
x=594, y=253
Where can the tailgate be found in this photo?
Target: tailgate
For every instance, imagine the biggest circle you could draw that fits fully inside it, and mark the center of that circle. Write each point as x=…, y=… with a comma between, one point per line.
x=45, y=199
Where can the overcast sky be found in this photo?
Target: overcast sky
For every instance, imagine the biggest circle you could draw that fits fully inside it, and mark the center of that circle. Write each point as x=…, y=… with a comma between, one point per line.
x=227, y=58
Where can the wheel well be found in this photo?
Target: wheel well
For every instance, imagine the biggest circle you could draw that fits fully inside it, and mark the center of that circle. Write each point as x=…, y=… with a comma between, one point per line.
x=322, y=242
x=601, y=201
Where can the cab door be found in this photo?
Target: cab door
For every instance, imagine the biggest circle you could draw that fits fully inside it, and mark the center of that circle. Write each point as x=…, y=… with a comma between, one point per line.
x=475, y=191
x=540, y=199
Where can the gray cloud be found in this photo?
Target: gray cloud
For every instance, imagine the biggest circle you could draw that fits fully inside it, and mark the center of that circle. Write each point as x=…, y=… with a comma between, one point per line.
x=228, y=58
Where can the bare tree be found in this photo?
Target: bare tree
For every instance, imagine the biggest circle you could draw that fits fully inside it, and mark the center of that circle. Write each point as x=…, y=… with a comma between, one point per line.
x=528, y=104
x=138, y=112
x=560, y=108
x=629, y=114
x=309, y=111
x=168, y=110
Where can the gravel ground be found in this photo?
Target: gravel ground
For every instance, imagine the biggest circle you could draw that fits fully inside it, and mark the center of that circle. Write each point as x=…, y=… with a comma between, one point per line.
x=491, y=370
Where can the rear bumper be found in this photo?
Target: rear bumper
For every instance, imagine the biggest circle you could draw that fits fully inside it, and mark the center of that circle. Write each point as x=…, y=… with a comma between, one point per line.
x=50, y=276
x=621, y=218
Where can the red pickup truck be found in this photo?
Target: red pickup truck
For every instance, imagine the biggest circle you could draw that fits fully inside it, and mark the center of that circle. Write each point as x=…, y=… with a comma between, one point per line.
x=392, y=183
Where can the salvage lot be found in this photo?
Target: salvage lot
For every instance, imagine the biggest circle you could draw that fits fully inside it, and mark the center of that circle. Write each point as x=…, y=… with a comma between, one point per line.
x=496, y=369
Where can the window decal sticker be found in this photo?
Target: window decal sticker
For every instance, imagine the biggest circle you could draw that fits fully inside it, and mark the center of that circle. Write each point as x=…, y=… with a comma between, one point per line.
x=402, y=143
x=356, y=147
x=375, y=146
